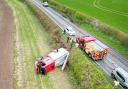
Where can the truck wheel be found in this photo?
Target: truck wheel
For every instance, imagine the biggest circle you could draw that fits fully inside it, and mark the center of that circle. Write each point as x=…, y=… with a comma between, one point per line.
x=64, y=31
x=125, y=87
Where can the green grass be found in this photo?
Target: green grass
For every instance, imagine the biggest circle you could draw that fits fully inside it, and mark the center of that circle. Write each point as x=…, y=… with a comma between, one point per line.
x=114, y=18
x=84, y=74
x=31, y=42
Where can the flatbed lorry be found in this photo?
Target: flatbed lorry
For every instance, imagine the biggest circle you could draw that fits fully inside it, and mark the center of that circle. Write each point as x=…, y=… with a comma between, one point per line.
x=94, y=48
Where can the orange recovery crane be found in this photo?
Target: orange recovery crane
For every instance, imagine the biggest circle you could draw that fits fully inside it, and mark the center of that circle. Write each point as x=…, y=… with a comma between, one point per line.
x=94, y=48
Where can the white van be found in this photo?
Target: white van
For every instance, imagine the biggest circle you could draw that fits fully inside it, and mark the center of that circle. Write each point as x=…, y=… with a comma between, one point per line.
x=45, y=4
x=120, y=75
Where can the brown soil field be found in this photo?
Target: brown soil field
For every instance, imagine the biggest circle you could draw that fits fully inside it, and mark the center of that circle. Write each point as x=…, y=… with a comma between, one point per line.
x=6, y=45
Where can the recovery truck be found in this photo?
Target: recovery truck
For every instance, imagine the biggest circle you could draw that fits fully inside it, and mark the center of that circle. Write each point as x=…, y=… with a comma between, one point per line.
x=94, y=48
x=53, y=59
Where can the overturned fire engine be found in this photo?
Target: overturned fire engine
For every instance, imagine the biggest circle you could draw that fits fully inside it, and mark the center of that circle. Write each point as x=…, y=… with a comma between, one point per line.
x=55, y=58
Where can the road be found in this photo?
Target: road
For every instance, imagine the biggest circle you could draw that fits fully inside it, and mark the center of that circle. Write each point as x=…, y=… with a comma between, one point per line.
x=113, y=59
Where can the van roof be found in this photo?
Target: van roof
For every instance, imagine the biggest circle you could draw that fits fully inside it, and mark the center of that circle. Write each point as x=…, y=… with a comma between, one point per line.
x=122, y=71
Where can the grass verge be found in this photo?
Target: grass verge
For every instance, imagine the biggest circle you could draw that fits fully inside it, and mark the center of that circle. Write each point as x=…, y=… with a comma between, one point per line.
x=84, y=74
x=31, y=41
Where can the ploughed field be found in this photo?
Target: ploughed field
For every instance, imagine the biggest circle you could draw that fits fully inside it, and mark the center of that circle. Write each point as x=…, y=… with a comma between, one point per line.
x=6, y=45
x=111, y=12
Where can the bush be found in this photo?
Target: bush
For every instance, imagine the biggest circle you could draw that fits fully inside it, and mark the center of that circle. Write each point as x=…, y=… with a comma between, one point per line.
x=84, y=74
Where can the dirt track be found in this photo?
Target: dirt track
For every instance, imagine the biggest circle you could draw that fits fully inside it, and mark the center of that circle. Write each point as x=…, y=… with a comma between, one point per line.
x=6, y=45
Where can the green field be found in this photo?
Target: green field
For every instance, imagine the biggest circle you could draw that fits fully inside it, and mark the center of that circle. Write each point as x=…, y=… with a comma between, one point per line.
x=111, y=12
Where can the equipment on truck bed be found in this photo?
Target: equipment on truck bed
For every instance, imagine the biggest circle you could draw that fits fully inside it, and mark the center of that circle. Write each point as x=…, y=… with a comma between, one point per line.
x=55, y=58
x=94, y=48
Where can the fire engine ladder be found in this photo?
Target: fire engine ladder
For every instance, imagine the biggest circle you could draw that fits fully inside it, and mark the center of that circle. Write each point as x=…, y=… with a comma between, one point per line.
x=63, y=66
